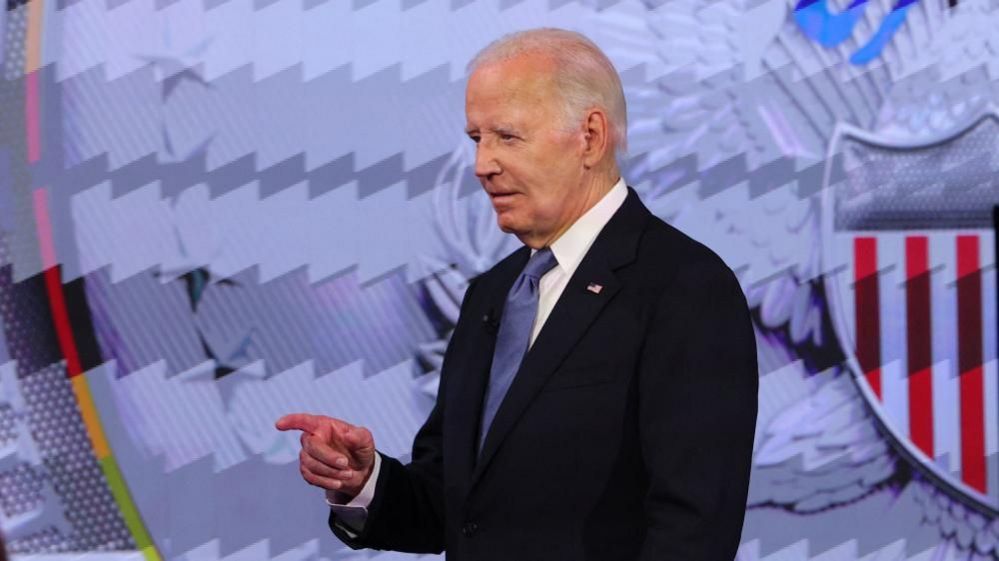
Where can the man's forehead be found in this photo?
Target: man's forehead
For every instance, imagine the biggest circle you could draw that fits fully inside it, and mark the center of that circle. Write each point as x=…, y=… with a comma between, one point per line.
x=519, y=70
x=522, y=79
x=505, y=109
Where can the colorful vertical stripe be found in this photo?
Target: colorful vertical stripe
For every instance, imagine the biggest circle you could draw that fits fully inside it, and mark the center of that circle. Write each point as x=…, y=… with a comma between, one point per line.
x=33, y=40
x=941, y=401
x=919, y=343
x=53, y=285
x=867, y=308
x=971, y=380
x=56, y=296
x=84, y=400
x=32, y=117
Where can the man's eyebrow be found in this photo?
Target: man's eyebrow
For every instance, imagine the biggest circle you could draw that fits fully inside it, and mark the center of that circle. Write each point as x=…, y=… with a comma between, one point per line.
x=498, y=129
x=504, y=129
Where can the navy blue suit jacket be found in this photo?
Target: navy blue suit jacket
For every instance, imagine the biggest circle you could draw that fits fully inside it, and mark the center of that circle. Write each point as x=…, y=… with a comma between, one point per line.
x=626, y=435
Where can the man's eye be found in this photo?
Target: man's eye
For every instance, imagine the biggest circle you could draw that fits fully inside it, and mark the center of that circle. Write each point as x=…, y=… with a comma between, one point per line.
x=506, y=137
x=474, y=138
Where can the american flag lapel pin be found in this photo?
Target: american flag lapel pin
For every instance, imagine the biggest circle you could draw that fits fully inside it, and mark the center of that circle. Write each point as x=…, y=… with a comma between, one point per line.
x=594, y=287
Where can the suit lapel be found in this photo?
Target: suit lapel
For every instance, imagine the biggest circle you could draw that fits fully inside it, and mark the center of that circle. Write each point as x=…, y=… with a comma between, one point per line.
x=575, y=310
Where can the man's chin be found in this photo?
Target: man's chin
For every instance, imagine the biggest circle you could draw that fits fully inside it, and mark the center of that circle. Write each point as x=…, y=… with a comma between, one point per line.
x=506, y=224
x=524, y=236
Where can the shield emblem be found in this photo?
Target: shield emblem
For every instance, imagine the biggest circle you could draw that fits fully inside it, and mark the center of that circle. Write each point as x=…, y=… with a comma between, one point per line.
x=909, y=254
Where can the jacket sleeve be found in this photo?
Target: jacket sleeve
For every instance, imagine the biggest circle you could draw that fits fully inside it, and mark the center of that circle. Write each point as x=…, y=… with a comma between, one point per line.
x=698, y=383
x=407, y=510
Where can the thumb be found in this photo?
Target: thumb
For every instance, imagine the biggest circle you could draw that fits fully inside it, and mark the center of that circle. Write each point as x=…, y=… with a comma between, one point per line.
x=358, y=438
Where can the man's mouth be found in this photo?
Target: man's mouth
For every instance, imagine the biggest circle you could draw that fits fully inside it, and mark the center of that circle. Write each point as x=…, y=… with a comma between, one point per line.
x=501, y=196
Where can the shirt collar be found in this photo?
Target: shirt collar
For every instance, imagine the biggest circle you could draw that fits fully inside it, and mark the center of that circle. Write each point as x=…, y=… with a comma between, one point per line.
x=571, y=246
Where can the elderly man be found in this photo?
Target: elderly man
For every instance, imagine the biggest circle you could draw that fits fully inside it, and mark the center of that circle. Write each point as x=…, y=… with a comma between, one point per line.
x=598, y=396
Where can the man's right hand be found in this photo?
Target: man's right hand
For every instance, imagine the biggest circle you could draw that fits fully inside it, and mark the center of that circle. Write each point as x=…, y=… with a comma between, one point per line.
x=336, y=455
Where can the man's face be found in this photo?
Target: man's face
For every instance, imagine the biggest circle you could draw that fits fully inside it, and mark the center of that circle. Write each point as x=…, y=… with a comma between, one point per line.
x=527, y=160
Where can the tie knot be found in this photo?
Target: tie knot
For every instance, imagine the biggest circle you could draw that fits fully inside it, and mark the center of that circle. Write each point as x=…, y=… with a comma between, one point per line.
x=540, y=263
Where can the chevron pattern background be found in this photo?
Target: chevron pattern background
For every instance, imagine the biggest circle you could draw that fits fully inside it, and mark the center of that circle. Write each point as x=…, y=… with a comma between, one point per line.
x=215, y=212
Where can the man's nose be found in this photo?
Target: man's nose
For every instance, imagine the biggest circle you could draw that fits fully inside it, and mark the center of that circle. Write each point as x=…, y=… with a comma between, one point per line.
x=485, y=162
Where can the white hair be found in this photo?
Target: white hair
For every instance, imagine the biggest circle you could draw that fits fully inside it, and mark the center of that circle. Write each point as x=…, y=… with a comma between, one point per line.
x=585, y=77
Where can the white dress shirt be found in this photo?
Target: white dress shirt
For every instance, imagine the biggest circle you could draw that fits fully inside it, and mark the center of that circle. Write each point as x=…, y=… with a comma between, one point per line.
x=569, y=250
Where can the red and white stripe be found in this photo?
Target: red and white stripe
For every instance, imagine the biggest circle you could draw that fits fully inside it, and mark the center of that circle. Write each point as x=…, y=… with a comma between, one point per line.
x=924, y=323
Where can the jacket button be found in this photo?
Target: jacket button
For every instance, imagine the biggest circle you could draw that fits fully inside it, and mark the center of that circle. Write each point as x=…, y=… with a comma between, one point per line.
x=469, y=528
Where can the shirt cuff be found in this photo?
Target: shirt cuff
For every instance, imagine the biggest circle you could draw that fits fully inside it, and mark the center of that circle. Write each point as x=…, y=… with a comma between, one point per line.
x=354, y=514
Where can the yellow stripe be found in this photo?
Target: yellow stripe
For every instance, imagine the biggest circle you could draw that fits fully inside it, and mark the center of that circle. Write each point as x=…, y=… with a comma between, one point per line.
x=125, y=505
x=90, y=419
x=149, y=552
x=33, y=42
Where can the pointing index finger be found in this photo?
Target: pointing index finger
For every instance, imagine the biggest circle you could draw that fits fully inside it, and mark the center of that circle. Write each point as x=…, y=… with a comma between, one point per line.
x=299, y=421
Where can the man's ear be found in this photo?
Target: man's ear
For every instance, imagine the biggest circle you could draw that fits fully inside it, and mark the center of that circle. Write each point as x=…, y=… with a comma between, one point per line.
x=596, y=137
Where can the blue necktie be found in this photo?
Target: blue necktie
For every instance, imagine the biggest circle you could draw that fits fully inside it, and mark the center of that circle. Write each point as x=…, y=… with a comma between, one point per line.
x=514, y=334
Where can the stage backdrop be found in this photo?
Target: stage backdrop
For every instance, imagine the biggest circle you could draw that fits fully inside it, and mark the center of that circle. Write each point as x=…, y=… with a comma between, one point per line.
x=215, y=212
